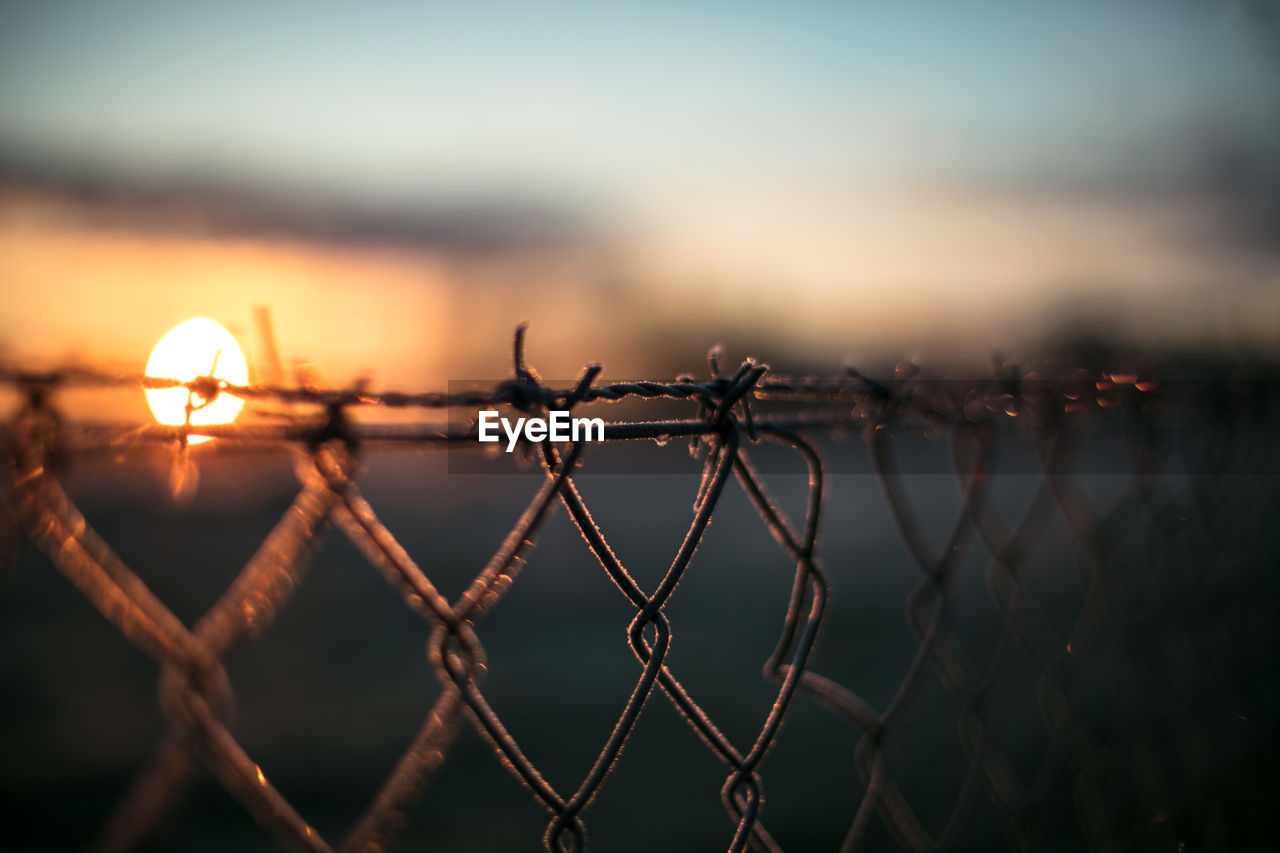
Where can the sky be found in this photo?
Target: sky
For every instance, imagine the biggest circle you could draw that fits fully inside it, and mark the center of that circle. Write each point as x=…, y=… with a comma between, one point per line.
x=913, y=167
x=622, y=103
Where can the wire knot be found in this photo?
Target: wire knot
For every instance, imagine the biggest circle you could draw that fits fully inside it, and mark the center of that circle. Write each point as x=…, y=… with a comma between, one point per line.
x=737, y=390
x=336, y=427
x=524, y=394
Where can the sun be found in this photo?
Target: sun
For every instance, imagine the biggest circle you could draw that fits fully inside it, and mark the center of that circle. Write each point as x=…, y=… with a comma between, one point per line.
x=198, y=347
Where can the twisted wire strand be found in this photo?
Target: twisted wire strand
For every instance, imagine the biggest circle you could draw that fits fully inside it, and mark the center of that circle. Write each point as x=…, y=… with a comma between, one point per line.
x=733, y=417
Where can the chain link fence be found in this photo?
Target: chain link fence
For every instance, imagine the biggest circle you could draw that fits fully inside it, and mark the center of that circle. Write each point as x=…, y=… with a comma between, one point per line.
x=1156, y=695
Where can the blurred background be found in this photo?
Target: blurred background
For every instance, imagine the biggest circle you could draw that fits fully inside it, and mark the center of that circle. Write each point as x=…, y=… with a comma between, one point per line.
x=400, y=184
x=809, y=180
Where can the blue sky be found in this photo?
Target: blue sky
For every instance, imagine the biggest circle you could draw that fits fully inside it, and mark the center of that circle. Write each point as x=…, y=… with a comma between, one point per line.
x=931, y=169
x=615, y=104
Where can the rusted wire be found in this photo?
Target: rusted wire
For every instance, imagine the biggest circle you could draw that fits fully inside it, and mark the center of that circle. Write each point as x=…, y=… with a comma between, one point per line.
x=730, y=421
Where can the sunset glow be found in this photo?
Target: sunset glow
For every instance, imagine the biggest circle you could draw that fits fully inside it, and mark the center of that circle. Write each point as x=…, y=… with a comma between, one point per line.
x=198, y=347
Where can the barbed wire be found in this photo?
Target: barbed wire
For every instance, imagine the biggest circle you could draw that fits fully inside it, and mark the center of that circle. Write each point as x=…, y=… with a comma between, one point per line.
x=732, y=417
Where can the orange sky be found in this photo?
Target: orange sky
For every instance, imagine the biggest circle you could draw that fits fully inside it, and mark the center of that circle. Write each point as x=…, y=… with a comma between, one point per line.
x=904, y=272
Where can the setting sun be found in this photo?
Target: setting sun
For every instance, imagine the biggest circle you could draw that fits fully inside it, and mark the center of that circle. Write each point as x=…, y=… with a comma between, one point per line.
x=198, y=347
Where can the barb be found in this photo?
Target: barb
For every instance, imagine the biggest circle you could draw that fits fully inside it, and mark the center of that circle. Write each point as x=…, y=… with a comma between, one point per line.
x=1204, y=542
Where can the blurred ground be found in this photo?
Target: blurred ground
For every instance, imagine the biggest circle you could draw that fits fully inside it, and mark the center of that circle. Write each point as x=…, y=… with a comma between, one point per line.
x=332, y=692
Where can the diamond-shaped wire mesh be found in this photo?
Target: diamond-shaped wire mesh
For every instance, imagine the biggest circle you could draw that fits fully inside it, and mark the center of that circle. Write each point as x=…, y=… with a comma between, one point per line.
x=1176, y=611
